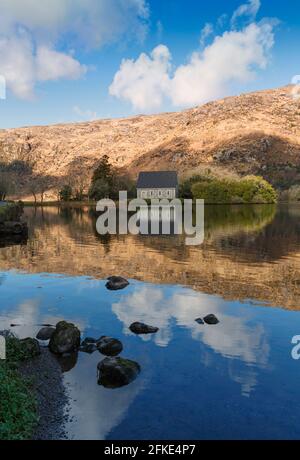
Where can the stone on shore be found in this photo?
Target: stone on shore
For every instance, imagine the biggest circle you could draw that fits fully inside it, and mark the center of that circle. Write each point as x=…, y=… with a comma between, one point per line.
x=45, y=333
x=65, y=339
x=117, y=372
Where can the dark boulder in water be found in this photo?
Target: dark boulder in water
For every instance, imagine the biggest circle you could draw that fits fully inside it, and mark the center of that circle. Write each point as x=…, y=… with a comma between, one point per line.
x=65, y=339
x=141, y=328
x=109, y=346
x=45, y=333
x=117, y=372
x=211, y=319
x=88, y=345
x=116, y=283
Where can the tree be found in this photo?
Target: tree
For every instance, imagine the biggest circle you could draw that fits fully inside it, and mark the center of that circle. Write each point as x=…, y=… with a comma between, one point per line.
x=6, y=185
x=34, y=189
x=43, y=187
x=79, y=188
x=66, y=193
x=103, y=171
x=124, y=183
x=100, y=189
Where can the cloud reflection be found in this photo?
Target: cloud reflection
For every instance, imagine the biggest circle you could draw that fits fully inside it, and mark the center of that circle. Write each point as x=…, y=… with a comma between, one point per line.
x=235, y=338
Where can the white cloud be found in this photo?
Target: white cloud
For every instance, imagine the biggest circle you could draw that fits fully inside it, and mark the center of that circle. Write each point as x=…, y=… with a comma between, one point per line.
x=144, y=82
x=233, y=57
x=85, y=114
x=206, y=32
x=30, y=31
x=52, y=65
x=16, y=65
x=248, y=10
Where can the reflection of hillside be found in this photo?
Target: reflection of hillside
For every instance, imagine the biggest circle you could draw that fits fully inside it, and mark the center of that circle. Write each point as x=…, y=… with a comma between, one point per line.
x=237, y=264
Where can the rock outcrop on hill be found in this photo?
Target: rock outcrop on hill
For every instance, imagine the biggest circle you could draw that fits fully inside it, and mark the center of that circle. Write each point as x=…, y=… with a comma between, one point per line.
x=255, y=133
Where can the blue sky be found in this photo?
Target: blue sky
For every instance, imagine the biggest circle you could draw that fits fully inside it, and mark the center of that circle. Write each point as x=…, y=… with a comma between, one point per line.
x=62, y=60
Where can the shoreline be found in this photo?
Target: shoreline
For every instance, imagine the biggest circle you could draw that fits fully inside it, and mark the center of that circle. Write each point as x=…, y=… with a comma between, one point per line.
x=50, y=394
x=33, y=386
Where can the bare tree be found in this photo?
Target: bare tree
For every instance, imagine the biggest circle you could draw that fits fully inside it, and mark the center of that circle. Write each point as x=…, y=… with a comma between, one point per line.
x=34, y=189
x=6, y=185
x=43, y=187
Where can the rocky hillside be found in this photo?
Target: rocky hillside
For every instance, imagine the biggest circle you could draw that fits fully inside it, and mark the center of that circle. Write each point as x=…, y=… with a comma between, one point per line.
x=253, y=133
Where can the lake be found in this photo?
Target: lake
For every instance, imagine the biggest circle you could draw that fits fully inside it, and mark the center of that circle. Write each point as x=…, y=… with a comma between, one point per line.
x=235, y=380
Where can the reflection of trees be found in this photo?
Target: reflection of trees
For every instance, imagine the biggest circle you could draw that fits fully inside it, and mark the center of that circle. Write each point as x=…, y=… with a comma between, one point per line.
x=234, y=260
x=273, y=242
x=231, y=220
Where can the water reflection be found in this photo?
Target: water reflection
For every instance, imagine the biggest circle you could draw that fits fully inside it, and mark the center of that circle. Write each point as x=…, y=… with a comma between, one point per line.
x=234, y=339
x=250, y=252
x=197, y=381
x=186, y=366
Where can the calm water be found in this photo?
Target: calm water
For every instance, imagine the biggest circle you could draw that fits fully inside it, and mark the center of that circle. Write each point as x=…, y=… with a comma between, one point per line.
x=234, y=380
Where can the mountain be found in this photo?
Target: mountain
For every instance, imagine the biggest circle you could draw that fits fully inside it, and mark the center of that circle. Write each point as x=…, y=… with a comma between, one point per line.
x=257, y=133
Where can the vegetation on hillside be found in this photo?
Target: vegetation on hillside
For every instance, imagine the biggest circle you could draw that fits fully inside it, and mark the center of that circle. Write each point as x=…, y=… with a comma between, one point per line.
x=291, y=195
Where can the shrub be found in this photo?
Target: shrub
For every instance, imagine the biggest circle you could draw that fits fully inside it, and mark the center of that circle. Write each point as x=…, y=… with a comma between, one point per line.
x=17, y=406
x=250, y=189
x=293, y=193
x=185, y=188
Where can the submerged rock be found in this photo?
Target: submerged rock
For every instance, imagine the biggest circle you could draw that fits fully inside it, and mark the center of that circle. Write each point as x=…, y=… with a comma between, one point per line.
x=117, y=372
x=199, y=321
x=109, y=346
x=88, y=345
x=45, y=333
x=88, y=348
x=88, y=341
x=141, y=328
x=115, y=283
x=211, y=319
x=65, y=339
x=30, y=348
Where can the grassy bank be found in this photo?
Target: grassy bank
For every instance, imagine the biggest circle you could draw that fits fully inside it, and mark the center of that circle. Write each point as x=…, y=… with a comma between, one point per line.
x=63, y=204
x=18, y=407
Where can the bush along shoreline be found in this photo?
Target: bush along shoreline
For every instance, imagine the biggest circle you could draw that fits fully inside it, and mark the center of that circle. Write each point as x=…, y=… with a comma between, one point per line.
x=32, y=394
x=246, y=190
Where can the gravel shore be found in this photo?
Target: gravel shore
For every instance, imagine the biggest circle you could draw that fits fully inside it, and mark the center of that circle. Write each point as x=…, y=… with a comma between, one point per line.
x=51, y=396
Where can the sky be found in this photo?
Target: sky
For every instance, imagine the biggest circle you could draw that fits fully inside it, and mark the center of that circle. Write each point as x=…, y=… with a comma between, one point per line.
x=79, y=60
